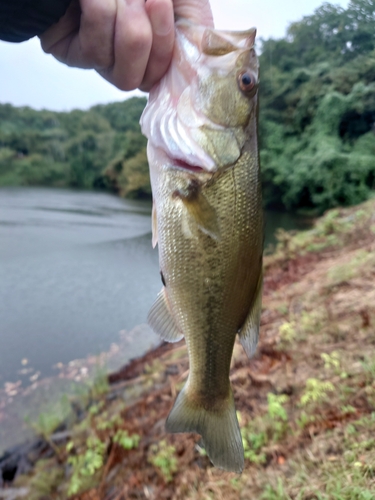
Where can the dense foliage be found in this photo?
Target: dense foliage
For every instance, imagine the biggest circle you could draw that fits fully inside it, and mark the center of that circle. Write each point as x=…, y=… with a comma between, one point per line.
x=317, y=123
x=318, y=109
x=72, y=149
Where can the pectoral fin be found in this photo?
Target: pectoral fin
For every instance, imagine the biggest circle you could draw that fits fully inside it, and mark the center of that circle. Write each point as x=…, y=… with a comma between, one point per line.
x=154, y=226
x=199, y=210
x=161, y=320
x=249, y=332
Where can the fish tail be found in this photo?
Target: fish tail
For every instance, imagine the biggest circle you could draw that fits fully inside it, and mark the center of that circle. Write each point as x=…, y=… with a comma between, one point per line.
x=219, y=429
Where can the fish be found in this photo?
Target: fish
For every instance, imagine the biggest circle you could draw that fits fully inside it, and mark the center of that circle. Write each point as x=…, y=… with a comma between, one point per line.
x=201, y=122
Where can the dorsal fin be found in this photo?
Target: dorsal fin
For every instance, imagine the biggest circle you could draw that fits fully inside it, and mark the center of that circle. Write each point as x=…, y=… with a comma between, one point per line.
x=219, y=43
x=213, y=44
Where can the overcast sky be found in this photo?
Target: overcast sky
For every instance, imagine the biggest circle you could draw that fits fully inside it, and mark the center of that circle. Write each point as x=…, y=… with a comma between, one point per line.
x=28, y=77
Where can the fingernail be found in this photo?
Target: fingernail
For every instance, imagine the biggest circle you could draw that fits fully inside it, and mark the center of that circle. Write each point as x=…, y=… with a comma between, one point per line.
x=161, y=22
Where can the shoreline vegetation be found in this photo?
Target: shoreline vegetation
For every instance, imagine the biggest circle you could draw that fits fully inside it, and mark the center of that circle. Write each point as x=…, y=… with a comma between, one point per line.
x=306, y=401
x=316, y=127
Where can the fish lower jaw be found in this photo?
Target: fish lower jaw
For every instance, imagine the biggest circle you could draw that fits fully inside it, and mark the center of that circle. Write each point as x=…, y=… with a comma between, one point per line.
x=183, y=165
x=191, y=163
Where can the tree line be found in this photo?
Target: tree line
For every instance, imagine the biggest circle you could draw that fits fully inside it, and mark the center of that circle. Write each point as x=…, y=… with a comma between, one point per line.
x=317, y=123
x=82, y=149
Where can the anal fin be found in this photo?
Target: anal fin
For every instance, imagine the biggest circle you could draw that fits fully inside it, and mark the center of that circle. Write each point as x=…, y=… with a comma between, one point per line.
x=161, y=320
x=249, y=332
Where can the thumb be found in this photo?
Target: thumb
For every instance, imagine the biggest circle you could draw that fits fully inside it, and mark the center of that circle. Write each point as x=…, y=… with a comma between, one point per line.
x=197, y=11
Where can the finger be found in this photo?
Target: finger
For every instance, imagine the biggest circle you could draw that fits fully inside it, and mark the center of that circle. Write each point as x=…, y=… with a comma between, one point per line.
x=56, y=39
x=197, y=11
x=83, y=37
x=97, y=31
x=132, y=45
x=160, y=13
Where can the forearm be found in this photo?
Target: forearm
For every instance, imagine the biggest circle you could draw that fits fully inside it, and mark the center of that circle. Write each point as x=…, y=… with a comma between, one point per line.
x=23, y=19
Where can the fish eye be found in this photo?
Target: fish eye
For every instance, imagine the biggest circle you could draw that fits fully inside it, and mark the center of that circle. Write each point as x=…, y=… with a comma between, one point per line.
x=247, y=81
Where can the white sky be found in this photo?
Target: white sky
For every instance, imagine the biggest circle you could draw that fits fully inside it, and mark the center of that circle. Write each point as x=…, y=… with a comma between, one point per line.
x=28, y=77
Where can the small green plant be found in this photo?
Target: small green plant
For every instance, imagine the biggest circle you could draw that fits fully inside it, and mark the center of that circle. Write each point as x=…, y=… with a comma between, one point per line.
x=316, y=391
x=287, y=332
x=128, y=442
x=107, y=423
x=283, y=309
x=304, y=420
x=331, y=361
x=99, y=385
x=259, y=432
x=87, y=464
x=368, y=366
x=277, y=414
x=345, y=272
x=95, y=408
x=309, y=322
x=235, y=483
x=278, y=493
x=328, y=224
x=46, y=478
x=276, y=410
x=50, y=419
x=253, y=443
x=163, y=456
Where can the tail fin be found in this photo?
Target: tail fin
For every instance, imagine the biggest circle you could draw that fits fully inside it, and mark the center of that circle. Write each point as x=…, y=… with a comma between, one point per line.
x=219, y=430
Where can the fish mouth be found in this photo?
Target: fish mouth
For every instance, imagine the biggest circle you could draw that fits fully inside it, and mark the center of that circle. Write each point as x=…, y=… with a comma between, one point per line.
x=184, y=165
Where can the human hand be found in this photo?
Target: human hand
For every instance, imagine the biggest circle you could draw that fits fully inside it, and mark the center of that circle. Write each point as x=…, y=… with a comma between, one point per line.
x=128, y=42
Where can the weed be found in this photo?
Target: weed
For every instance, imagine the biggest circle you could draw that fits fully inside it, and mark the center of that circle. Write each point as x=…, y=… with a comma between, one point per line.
x=304, y=420
x=260, y=431
x=107, y=423
x=368, y=366
x=348, y=409
x=128, y=442
x=331, y=360
x=278, y=493
x=253, y=442
x=99, y=385
x=85, y=465
x=345, y=272
x=50, y=419
x=287, y=332
x=276, y=411
x=46, y=479
x=235, y=483
x=310, y=322
x=96, y=408
x=283, y=309
x=277, y=415
x=163, y=456
x=316, y=391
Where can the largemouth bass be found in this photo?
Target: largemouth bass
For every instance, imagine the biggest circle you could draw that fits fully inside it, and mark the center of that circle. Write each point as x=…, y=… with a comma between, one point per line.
x=201, y=125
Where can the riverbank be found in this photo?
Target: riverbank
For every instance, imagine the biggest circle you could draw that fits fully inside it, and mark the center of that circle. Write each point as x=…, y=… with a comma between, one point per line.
x=306, y=400
x=21, y=405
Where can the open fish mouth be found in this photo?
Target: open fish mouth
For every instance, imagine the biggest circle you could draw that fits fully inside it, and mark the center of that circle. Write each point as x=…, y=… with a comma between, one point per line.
x=184, y=165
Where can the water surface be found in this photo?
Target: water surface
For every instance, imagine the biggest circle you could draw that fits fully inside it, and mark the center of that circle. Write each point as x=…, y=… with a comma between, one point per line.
x=75, y=269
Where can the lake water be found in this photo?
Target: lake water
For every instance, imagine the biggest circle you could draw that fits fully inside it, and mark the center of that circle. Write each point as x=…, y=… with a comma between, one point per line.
x=76, y=268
